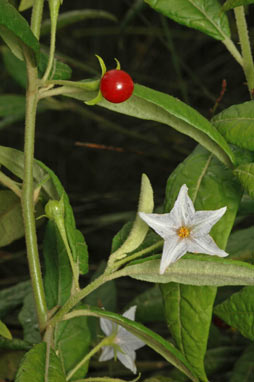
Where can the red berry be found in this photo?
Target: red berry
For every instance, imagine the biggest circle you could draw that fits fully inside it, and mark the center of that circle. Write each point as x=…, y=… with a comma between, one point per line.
x=116, y=86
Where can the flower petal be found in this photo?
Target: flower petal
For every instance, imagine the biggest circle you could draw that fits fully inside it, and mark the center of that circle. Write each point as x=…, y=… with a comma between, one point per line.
x=107, y=353
x=128, y=359
x=130, y=313
x=183, y=210
x=126, y=338
x=205, y=244
x=172, y=251
x=159, y=222
x=106, y=326
x=203, y=221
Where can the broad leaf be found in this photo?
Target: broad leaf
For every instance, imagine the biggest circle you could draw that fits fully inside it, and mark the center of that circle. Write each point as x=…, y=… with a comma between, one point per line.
x=4, y=331
x=204, y=15
x=9, y=363
x=29, y=321
x=152, y=339
x=230, y=4
x=241, y=245
x=189, y=308
x=245, y=174
x=236, y=124
x=33, y=366
x=58, y=273
x=149, y=305
x=244, y=368
x=188, y=312
x=12, y=297
x=15, y=30
x=72, y=340
x=150, y=104
x=71, y=17
x=238, y=311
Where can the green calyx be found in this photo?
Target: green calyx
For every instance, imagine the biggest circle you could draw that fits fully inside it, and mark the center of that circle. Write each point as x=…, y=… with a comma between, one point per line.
x=98, y=98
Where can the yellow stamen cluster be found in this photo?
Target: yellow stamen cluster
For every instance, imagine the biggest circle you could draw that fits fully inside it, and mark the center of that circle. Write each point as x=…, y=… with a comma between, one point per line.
x=183, y=232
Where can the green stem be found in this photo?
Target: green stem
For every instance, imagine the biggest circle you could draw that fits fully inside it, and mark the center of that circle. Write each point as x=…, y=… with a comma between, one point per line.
x=37, y=17
x=27, y=191
x=138, y=254
x=248, y=65
x=105, y=342
x=233, y=50
x=54, y=10
x=9, y=183
x=74, y=299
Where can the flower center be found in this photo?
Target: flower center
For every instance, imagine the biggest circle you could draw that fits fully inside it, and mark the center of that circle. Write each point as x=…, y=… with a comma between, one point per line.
x=183, y=232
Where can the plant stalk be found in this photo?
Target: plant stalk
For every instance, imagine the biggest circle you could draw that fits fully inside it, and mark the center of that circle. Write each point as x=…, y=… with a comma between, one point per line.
x=27, y=191
x=37, y=18
x=248, y=65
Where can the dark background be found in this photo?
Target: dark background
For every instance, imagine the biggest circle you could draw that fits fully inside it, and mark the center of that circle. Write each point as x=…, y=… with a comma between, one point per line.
x=103, y=185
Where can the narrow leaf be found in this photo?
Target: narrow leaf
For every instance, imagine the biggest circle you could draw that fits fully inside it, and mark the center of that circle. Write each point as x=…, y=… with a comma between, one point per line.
x=230, y=4
x=71, y=17
x=4, y=331
x=149, y=104
x=15, y=29
x=204, y=15
x=194, y=270
x=152, y=339
x=25, y=4
x=236, y=124
x=238, y=311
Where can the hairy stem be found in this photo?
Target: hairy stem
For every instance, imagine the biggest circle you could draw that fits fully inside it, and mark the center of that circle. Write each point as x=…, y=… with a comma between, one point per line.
x=248, y=66
x=27, y=191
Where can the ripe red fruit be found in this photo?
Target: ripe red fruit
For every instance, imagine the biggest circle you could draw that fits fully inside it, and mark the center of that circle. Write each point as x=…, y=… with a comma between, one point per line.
x=116, y=86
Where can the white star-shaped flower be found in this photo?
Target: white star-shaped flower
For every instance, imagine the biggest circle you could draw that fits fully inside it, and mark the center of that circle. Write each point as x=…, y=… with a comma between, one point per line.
x=124, y=343
x=185, y=230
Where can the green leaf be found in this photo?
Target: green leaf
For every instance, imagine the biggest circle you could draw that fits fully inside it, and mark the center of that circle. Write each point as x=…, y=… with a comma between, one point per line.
x=14, y=344
x=245, y=174
x=15, y=30
x=149, y=305
x=12, y=297
x=193, y=270
x=71, y=17
x=17, y=68
x=75, y=238
x=230, y=4
x=25, y=4
x=236, y=124
x=29, y=321
x=4, y=331
x=238, y=311
x=189, y=308
x=244, y=369
x=11, y=219
x=13, y=160
x=241, y=245
x=188, y=311
x=204, y=15
x=32, y=367
x=150, y=104
x=9, y=362
x=12, y=105
x=72, y=340
x=58, y=273
x=152, y=339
